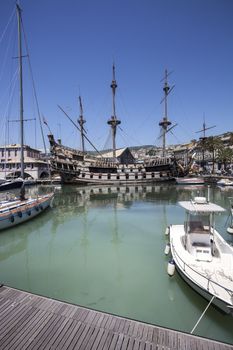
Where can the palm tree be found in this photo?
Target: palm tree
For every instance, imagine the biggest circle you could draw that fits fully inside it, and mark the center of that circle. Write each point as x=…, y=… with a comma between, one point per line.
x=225, y=156
x=211, y=144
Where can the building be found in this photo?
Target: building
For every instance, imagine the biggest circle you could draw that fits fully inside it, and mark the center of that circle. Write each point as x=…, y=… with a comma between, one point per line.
x=10, y=162
x=123, y=156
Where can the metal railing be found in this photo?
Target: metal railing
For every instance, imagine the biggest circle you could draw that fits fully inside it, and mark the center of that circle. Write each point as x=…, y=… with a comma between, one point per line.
x=208, y=280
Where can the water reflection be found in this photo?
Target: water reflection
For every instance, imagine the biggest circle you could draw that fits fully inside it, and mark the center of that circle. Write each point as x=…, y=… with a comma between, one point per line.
x=103, y=247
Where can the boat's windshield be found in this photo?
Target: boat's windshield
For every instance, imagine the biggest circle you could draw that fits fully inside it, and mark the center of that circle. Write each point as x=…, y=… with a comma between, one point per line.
x=198, y=222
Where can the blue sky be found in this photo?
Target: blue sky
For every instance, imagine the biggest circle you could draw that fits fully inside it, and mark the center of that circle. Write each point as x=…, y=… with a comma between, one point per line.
x=72, y=46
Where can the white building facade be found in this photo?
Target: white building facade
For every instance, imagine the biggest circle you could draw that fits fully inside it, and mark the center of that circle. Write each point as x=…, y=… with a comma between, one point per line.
x=10, y=162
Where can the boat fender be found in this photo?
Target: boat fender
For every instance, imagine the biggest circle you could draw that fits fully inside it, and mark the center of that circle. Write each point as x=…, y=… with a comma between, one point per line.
x=230, y=230
x=167, y=249
x=167, y=231
x=171, y=267
x=29, y=212
x=37, y=208
x=12, y=219
x=20, y=214
x=41, y=207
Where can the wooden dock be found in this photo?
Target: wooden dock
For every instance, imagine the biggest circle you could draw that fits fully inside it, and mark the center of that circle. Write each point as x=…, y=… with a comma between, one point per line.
x=28, y=321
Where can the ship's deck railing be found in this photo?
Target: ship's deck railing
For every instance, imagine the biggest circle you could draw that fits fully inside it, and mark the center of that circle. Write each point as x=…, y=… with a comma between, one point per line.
x=158, y=161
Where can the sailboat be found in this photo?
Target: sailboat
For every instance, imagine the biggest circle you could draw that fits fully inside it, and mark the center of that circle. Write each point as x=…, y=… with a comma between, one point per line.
x=7, y=185
x=77, y=166
x=16, y=210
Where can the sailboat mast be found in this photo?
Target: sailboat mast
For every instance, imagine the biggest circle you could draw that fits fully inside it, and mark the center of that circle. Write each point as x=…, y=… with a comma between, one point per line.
x=165, y=122
x=81, y=122
x=113, y=121
x=20, y=89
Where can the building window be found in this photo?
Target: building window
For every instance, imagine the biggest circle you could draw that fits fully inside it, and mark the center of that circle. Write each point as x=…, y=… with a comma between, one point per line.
x=109, y=176
x=15, y=152
x=9, y=152
x=83, y=174
x=91, y=176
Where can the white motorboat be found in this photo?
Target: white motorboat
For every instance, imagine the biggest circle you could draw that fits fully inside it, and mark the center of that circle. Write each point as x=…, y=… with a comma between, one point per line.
x=230, y=228
x=201, y=256
x=189, y=180
x=225, y=182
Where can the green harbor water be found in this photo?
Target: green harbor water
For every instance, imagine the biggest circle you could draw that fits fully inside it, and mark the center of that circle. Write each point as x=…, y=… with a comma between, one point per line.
x=103, y=248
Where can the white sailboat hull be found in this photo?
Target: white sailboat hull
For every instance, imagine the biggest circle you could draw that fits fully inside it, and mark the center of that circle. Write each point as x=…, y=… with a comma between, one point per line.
x=16, y=212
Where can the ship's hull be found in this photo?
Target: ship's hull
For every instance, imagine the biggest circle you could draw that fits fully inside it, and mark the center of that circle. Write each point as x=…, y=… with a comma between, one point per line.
x=123, y=175
x=76, y=167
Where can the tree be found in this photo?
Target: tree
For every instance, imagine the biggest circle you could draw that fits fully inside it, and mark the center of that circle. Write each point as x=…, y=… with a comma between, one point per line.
x=214, y=145
x=211, y=144
x=225, y=156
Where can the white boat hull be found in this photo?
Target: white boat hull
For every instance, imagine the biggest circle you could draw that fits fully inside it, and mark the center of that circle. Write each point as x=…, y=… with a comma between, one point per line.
x=208, y=278
x=13, y=215
x=225, y=182
x=190, y=181
x=217, y=302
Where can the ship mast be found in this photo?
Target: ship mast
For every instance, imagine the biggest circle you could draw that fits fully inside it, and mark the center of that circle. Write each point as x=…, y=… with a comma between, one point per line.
x=113, y=121
x=203, y=139
x=20, y=89
x=81, y=122
x=164, y=123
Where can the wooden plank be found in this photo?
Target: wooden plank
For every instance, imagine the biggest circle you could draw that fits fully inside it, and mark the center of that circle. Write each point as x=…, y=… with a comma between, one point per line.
x=92, y=338
x=72, y=340
x=37, y=330
x=148, y=346
x=12, y=334
x=57, y=331
x=86, y=338
x=13, y=319
x=24, y=333
x=34, y=322
x=62, y=333
x=104, y=321
x=44, y=335
x=78, y=326
x=97, y=339
x=82, y=329
x=109, y=340
x=103, y=340
x=125, y=342
x=126, y=327
x=82, y=336
x=131, y=344
x=114, y=340
x=150, y=334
